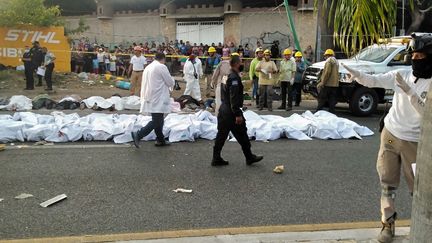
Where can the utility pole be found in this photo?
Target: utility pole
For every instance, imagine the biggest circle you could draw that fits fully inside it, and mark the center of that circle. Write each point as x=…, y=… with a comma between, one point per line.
x=292, y=26
x=421, y=216
x=402, y=31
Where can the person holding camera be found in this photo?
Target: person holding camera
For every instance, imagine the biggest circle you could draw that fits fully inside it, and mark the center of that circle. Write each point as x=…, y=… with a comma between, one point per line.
x=192, y=72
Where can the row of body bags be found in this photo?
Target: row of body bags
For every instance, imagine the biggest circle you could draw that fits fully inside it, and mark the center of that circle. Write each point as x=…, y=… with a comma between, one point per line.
x=23, y=103
x=61, y=127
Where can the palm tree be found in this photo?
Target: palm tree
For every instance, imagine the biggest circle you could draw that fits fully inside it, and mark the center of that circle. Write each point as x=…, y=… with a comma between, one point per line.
x=359, y=23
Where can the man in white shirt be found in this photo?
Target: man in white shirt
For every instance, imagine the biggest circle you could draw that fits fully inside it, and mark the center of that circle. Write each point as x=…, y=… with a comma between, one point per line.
x=192, y=72
x=137, y=64
x=101, y=60
x=155, y=99
x=401, y=131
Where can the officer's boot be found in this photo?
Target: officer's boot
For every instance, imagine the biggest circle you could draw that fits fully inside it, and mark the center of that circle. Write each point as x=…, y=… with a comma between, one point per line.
x=250, y=157
x=217, y=159
x=388, y=230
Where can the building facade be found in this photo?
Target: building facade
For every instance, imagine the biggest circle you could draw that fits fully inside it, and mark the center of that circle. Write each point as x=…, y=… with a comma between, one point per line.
x=207, y=22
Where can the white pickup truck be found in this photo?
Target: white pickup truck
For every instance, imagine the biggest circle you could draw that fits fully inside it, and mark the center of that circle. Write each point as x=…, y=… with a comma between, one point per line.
x=373, y=59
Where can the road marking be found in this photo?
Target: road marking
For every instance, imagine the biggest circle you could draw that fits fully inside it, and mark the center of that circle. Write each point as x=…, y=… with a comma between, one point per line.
x=208, y=232
x=68, y=146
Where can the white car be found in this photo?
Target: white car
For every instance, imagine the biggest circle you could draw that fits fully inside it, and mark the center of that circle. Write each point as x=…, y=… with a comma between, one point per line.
x=373, y=59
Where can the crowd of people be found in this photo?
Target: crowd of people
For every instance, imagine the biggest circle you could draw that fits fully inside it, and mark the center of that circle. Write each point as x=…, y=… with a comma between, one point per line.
x=95, y=58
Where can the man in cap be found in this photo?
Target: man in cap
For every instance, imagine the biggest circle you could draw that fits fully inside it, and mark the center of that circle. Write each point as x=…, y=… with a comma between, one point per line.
x=296, y=90
x=192, y=72
x=49, y=67
x=253, y=75
x=28, y=69
x=220, y=74
x=37, y=58
x=266, y=68
x=230, y=117
x=329, y=82
x=287, y=69
x=137, y=65
x=401, y=131
x=211, y=63
x=155, y=99
x=101, y=60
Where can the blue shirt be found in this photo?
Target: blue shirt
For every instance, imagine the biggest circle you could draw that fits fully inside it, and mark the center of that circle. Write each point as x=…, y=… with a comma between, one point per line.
x=301, y=67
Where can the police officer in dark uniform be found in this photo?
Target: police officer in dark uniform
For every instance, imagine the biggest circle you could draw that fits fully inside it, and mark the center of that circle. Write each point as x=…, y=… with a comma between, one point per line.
x=230, y=118
x=37, y=58
x=28, y=69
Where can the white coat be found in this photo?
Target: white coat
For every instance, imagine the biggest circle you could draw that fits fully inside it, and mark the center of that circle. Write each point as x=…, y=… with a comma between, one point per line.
x=155, y=89
x=192, y=83
x=188, y=69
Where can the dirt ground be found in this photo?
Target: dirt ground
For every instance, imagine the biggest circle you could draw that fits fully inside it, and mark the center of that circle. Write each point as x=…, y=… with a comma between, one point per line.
x=13, y=83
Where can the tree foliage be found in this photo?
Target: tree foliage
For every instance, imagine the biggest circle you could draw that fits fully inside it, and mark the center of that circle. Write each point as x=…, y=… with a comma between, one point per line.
x=25, y=12
x=359, y=23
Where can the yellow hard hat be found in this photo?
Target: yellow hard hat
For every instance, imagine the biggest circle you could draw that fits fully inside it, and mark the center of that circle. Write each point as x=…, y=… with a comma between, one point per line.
x=211, y=49
x=329, y=52
x=235, y=54
x=287, y=52
x=298, y=54
x=258, y=49
x=267, y=52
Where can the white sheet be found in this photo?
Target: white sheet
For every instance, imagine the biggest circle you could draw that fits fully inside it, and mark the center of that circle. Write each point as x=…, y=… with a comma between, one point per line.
x=61, y=127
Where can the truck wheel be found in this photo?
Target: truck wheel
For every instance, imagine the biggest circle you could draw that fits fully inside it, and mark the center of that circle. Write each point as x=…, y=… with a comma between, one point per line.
x=364, y=102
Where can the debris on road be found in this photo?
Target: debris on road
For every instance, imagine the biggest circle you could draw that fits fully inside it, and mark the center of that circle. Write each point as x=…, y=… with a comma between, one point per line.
x=181, y=190
x=43, y=142
x=22, y=146
x=1, y=199
x=53, y=200
x=23, y=196
x=2, y=147
x=279, y=169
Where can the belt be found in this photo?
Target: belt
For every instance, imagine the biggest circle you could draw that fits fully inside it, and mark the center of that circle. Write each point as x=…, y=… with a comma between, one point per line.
x=139, y=71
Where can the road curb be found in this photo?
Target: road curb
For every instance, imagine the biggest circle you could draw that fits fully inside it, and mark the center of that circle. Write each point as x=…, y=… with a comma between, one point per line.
x=208, y=232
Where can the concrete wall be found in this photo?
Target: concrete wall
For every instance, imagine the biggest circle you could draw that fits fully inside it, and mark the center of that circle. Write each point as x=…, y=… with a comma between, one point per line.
x=123, y=29
x=250, y=26
x=232, y=27
x=266, y=26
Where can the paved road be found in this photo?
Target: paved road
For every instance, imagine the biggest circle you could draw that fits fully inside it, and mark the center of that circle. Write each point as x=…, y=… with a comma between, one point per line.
x=116, y=188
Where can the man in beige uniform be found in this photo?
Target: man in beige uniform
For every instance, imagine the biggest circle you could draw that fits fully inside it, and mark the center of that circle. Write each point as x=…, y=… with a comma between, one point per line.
x=329, y=82
x=222, y=71
x=266, y=69
x=137, y=64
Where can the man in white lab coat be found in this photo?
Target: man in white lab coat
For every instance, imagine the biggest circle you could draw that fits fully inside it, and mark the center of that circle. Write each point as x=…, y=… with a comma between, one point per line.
x=401, y=131
x=192, y=72
x=155, y=99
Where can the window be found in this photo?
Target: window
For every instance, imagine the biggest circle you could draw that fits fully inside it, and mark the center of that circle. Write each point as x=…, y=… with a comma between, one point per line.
x=400, y=59
x=100, y=10
x=164, y=11
x=229, y=8
x=306, y=2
